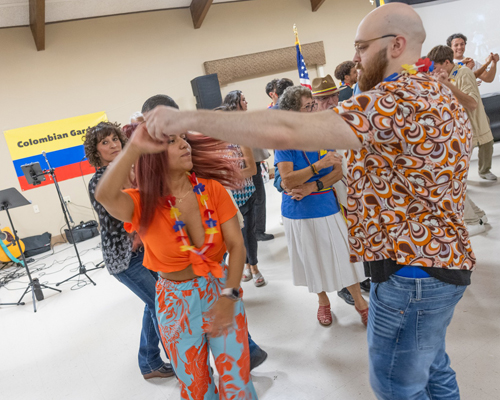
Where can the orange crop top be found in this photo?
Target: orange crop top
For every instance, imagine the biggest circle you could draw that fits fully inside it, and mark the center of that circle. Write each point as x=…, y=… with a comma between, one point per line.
x=162, y=249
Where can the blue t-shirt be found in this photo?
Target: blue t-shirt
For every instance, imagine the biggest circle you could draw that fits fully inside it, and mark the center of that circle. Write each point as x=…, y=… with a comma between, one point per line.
x=317, y=204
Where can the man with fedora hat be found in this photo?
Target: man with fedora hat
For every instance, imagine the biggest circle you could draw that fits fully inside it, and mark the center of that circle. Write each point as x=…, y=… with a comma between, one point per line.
x=325, y=92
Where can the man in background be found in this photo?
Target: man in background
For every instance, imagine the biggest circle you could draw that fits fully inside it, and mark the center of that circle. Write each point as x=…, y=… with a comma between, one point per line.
x=462, y=82
x=457, y=42
x=347, y=74
x=271, y=92
x=281, y=85
x=326, y=93
x=465, y=82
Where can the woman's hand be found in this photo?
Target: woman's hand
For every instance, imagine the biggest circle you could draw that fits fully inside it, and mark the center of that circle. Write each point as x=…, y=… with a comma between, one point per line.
x=221, y=317
x=143, y=143
x=303, y=190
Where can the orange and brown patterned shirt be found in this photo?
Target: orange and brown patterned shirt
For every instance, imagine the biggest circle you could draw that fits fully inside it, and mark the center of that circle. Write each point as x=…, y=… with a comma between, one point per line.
x=406, y=185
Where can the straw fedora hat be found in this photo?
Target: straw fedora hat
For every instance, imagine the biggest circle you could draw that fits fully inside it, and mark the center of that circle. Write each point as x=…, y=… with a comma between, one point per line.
x=324, y=86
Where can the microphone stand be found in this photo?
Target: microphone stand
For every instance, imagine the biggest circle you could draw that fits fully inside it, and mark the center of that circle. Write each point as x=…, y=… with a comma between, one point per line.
x=81, y=268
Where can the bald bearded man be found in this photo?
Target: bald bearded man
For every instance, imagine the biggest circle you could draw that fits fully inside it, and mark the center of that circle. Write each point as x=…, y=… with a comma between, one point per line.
x=409, y=142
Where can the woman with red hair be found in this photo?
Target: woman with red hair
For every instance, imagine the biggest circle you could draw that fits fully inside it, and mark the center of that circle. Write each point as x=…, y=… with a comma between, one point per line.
x=186, y=221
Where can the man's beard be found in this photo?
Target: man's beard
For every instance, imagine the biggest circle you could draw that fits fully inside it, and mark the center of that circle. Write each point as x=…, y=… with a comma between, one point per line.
x=374, y=72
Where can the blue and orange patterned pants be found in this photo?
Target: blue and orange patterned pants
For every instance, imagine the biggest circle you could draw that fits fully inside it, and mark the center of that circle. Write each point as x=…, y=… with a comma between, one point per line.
x=181, y=311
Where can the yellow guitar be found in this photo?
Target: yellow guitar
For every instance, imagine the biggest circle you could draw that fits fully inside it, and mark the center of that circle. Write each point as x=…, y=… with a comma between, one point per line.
x=9, y=245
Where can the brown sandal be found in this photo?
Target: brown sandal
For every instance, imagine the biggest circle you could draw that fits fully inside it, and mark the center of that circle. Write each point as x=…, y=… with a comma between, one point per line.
x=325, y=315
x=364, y=315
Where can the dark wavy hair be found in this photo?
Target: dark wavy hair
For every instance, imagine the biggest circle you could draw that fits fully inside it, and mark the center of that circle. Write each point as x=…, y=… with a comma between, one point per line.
x=93, y=137
x=232, y=100
x=282, y=84
x=456, y=36
x=292, y=98
x=344, y=69
x=271, y=86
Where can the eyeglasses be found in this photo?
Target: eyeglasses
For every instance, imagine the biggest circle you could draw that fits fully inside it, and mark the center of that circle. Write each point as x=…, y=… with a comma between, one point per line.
x=310, y=107
x=361, y=45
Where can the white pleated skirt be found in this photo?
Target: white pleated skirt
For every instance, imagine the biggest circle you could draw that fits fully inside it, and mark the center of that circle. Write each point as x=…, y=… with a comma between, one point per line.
x=319, y=254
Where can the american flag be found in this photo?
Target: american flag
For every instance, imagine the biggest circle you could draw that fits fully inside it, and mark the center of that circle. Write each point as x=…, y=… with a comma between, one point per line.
x=301, y=65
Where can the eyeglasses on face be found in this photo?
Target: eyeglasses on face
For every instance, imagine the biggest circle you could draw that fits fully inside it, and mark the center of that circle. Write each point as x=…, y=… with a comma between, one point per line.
x=310, y=107
x=362, y=45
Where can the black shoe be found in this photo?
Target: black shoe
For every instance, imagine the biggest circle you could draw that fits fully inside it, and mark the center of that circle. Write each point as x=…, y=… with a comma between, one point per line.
x=365, y=285
x=346, y=296
x=263, y=237
x=257, y=357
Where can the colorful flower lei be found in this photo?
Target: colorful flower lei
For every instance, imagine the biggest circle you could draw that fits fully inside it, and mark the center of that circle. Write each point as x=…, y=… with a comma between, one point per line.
x=422, y=65
x=179, y=225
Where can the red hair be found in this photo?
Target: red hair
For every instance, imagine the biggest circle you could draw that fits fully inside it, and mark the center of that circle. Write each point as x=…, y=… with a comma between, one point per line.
x=211, y=160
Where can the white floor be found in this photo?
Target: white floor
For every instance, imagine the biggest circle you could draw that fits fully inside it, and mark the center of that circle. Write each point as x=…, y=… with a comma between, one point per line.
x=82, y=344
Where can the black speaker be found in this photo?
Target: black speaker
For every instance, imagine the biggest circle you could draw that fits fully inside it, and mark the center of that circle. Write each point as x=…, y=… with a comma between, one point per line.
x=206, y=89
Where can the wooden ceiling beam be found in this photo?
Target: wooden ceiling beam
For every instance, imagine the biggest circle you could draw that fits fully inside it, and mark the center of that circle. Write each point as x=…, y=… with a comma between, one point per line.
x=199, y=10
x=37, y=22
x=316, y=4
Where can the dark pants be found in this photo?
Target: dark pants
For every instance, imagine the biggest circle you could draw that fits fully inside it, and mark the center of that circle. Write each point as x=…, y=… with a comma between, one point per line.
x=142, y=282
x=248, y=212
x=260, y=201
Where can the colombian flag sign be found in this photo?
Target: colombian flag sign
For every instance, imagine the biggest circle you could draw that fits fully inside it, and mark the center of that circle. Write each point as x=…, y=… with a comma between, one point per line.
x=62, y=142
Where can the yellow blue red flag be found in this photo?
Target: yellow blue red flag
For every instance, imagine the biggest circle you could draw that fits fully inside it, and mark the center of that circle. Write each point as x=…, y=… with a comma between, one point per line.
x=62, y=141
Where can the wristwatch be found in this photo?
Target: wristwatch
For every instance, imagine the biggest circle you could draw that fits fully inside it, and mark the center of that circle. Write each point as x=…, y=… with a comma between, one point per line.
x=232, y=293
x=319, y=185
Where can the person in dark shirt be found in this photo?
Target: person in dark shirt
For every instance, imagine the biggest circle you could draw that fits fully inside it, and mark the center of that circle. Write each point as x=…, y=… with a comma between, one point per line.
x=103, y=143
x=347, y=74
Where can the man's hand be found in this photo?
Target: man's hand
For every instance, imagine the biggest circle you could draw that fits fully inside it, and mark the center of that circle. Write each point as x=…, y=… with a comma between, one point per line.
x=162, y=122
x=495, y=57
x=442, y=77
x=142, y=143
x=469, y=62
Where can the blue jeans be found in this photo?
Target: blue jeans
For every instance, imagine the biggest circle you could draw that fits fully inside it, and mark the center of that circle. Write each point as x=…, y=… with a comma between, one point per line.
x=142, y=282
x=407, y=325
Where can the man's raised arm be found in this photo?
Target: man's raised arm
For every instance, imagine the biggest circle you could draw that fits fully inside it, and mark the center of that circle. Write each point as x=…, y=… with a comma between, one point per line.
x=257, y=129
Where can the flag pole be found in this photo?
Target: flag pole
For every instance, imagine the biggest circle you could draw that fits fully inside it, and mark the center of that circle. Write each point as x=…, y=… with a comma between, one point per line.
x=296, y=32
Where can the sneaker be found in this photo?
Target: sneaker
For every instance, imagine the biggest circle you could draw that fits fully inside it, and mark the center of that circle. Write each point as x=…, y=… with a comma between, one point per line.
x=475, y=229
x=346, y=296
x=483, y=220
x=165, y=371
x=365, y=285
x=257, y=357
x=264, y=237
x=488, y=176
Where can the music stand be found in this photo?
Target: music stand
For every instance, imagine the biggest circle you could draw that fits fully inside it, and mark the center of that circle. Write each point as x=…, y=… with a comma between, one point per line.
x=11, y=198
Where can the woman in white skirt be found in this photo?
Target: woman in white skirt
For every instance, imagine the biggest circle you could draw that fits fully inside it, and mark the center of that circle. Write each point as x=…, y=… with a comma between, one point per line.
x=315, y=228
